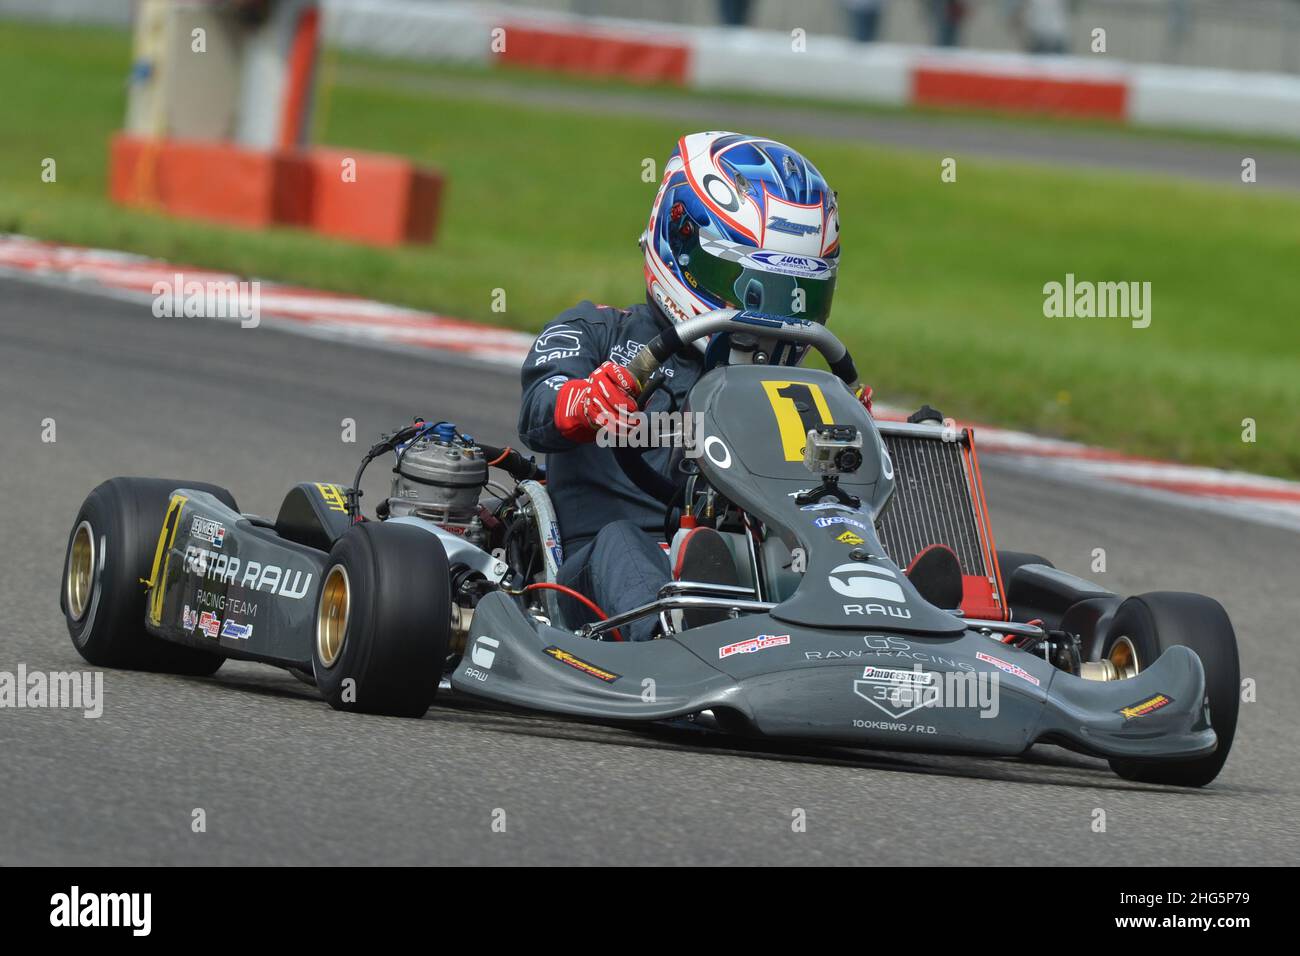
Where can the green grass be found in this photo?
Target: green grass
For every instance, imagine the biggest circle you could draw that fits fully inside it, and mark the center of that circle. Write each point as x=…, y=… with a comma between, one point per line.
x=940, y=292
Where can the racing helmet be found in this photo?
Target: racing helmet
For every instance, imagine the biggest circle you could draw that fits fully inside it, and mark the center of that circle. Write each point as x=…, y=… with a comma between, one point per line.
x=742, y=222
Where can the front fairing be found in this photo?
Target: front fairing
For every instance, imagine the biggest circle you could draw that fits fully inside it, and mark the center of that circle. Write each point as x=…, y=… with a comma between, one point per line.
x=752, y=422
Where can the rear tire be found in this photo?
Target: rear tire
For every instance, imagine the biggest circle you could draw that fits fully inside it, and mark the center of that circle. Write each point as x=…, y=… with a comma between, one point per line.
x=1153, y=623
x=383, y=622
x=1010, y=561
x=110, y=553
x=1020, y=606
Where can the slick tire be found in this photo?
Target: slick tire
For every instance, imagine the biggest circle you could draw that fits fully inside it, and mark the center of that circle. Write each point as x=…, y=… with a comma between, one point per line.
x=110, y=553
x=383, y=621
x=1153, y=623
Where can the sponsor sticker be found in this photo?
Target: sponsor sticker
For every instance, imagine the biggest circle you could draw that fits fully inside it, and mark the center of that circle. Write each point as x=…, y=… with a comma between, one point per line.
x=218, y=566
x=781, y=224
x=553, y=544
x=901, y=613
x=236, y=630
x=895, y=675
x=894, y=648
x=333, y=497
x=205, y=529
x=482, y=655
x=893, y=690
x=849, y=538
x=210, y=624
x=760, y=643
x=801, y=267
x=623, y=354
x=1144, y=707
x=578, y=664
x=825, y=505
x=1013, y=669
x=557, y=342
x=224, y=604
x=829, y=520
x=898, y=692
x=858, y=580
x=189, y=619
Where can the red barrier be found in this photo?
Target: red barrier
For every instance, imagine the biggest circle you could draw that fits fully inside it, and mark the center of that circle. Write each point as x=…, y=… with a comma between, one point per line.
x=204, y=180
x=391, y=200
x=376, y=199
x=939, y=86
x=301, y=72
x=596, y=54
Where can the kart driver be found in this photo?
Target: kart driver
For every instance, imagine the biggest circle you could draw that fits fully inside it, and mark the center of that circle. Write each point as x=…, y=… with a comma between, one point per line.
x=739, y=222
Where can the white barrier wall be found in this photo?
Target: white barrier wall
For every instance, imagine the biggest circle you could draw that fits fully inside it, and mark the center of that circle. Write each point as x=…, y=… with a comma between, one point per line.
x=828, y=68
x=1215, y=99
x=713, y=58
x=449, y=32
x=115, y=12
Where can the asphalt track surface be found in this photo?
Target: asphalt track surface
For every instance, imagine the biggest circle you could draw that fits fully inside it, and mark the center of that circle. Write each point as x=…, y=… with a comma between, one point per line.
x=283, y=779
x=1124, y=149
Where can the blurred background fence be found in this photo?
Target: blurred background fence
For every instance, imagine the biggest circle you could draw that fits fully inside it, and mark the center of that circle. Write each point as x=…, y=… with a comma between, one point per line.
x=1256, y=35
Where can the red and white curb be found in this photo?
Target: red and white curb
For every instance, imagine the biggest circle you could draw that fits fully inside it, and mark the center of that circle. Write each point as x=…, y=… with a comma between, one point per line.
x=321, y=314
x=378, y=325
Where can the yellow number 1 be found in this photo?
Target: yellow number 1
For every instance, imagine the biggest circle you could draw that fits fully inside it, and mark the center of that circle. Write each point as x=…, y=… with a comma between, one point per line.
x=799, y=407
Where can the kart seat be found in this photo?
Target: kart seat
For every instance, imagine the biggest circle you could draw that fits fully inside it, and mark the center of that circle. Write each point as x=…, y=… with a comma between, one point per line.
x=314, y=514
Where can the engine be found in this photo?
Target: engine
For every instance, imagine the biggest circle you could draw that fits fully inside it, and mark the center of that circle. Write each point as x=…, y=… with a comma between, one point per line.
x=439, y=477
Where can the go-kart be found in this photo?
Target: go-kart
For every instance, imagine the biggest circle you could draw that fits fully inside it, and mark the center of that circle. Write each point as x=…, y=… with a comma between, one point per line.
x=872, y=608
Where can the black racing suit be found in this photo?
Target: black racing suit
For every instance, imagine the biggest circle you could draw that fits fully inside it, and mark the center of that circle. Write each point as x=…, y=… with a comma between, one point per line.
x=609, y=528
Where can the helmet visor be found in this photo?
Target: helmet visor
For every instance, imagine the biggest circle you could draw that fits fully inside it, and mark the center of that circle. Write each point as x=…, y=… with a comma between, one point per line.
x=761, y=280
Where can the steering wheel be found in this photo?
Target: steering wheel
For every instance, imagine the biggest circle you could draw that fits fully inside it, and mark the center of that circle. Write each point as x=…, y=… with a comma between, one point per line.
x=654, y=353
x=651, y=356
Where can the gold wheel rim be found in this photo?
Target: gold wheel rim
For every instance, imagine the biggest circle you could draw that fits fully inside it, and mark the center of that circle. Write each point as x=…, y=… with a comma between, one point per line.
x=81, y=571
x=1123, y=657
x=332, y=615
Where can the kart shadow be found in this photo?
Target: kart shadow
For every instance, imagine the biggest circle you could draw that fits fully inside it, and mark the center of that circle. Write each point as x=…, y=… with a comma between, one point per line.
x=1042, y=765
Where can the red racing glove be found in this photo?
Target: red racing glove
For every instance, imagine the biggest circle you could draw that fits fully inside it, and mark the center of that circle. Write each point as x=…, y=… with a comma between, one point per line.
x=603, y=399
x=864, y=395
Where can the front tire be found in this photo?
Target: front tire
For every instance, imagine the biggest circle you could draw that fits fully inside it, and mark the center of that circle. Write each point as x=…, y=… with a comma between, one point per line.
x=1143, y=628
x=110, y=553
x=383, y=621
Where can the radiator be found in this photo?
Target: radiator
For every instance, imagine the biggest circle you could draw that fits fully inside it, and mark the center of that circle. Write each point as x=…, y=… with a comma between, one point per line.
x=939, y=499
